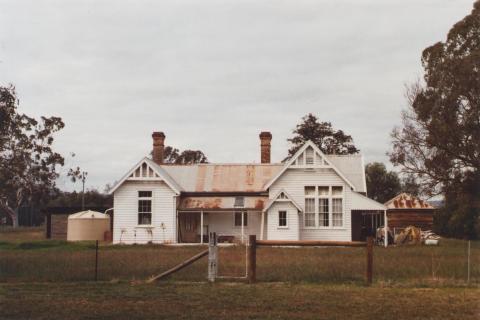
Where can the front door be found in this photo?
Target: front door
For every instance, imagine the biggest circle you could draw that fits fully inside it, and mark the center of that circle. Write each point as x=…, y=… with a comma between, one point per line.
x=188, y=226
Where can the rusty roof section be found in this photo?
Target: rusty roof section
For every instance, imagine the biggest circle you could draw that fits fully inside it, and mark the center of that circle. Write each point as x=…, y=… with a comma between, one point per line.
x=223, y=177
x=407, y=201
x=221, y=203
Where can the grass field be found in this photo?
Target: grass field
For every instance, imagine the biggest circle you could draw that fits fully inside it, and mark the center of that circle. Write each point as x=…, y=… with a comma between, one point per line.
x=233, y=301
x=45, y=279
x=23, y=260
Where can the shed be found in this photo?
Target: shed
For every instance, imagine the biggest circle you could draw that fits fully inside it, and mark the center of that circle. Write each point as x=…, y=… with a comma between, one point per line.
x=406, y=210
x=87, y=225
x=56, y=219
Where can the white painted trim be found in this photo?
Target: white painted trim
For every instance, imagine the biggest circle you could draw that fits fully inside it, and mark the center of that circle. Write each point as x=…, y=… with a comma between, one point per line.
x=286, y=219
x=163, y=176
x=201, y=227
x=307, y=144
x=364, y=178
x=385, y=227
x=275, y=199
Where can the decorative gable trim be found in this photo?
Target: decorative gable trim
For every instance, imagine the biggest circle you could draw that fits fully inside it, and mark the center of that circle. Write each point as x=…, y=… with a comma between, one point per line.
x=282, y=196
x=299, y=160
x=147, y=170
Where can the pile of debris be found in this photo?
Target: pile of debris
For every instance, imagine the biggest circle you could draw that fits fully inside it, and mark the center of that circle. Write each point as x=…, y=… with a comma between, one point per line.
x=414, y=235
x=409, y=235
x=430, y=238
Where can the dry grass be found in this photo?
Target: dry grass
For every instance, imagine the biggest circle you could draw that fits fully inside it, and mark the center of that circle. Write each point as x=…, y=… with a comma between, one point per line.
x=22, y=234
x=60, y=261
x=233, y=301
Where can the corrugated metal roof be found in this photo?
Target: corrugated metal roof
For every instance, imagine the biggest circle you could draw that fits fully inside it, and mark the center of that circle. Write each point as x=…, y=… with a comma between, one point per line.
x=352, y=167
x=223, y=177
x=407, y=201
x=221, y=203
x=251, y=177
x=361, y=202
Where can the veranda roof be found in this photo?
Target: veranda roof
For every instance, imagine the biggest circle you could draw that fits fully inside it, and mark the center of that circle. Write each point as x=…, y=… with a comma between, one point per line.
x=222, y=203
x=361, y=202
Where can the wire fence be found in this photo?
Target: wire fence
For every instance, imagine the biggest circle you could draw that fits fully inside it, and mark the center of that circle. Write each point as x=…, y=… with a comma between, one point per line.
x=453, y=262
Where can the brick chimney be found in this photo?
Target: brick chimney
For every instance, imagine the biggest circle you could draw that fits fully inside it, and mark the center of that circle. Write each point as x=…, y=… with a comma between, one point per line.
x=158, y=146
x=265, y=138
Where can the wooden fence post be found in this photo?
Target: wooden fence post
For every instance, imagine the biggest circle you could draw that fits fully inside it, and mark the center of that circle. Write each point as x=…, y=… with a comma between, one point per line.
x=369, y=273
x=212, y=257
x=96, y=260
x=252, y=259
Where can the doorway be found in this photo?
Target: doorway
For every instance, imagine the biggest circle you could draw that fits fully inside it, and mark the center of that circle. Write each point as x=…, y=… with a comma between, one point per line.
x=188, y=225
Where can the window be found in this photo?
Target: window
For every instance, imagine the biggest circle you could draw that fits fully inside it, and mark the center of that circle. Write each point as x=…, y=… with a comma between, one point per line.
x=337, y=206
x=323, y=206
x=337, y=191
x=239, y=202
x=282, y=218
x=323, y=211
x=238, y=219
x=144, y=207
x=309, y=207
x=323, y=191
x=144, y=194
x=309, y=154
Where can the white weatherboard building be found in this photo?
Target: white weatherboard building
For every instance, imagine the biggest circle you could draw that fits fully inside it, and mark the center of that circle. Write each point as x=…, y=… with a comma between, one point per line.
x=313, y=196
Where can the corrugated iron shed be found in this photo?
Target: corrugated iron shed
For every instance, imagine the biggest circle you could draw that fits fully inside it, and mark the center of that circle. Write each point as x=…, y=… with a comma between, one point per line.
x=407, y=201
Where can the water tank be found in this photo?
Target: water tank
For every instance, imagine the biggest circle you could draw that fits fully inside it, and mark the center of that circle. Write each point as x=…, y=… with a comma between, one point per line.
x=87, y=225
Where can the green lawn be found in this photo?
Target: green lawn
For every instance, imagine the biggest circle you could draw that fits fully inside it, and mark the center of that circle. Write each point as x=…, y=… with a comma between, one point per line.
x=233, y=301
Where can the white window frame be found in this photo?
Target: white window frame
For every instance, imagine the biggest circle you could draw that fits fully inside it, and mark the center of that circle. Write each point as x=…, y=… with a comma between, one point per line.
x=151, y=207
x=330, y=197
x=286, y=219
x=314, y=197
x=341, y=197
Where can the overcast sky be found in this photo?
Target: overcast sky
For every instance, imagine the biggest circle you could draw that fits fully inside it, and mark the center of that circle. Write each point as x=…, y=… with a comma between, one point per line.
x=213, y=74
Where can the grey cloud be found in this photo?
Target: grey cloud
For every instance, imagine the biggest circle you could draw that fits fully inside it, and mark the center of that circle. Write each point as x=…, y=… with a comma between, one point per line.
x=212, y=74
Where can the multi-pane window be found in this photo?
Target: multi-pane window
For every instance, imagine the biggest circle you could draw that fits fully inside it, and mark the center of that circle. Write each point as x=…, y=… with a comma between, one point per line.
x=326, y=203
x=144, y=207
x=282, y=218
x=238, y=219
x=239, y=202
x=323, y=206
x=309, y=207
x=323, y=210
x=337, y=206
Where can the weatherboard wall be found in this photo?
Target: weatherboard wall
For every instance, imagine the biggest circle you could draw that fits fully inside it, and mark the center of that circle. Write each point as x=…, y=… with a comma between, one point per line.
x=294, y=181
x=289, y=232
x=125, y=225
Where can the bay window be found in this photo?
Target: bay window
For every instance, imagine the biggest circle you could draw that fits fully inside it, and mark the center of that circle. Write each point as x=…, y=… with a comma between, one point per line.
x=323, y=206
